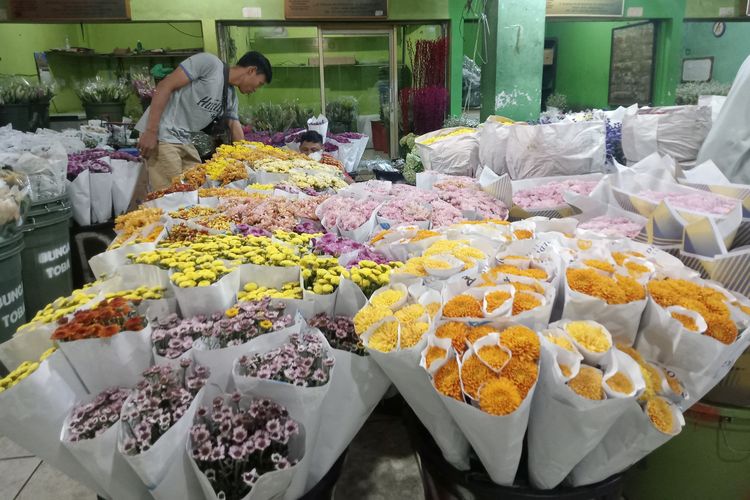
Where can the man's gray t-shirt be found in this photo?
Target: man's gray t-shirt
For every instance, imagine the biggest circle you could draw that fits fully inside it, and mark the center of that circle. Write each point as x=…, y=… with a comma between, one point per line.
x=194, y=106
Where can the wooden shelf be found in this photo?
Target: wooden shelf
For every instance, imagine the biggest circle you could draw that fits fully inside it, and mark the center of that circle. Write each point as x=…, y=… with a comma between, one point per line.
x=132, y=55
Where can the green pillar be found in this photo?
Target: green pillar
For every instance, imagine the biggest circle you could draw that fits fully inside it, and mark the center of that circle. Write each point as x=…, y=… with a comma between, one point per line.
x=668, y=67
x=512, y=77
x=456, y=8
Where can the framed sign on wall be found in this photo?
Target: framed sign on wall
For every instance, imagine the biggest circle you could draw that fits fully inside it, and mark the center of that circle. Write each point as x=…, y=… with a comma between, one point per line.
x=336, y=9
x=586, y=8
x=69, y=10
x=631, y=72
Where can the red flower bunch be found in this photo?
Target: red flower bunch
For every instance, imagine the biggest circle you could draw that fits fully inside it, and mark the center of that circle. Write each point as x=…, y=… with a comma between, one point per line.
x=174, y=188
x=107, y=319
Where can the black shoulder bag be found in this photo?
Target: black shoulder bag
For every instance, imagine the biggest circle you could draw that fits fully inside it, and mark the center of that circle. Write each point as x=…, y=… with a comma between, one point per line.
x=218, y=129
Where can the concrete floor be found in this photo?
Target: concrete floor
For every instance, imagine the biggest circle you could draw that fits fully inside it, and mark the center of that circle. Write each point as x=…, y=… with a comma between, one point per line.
x=380, y=466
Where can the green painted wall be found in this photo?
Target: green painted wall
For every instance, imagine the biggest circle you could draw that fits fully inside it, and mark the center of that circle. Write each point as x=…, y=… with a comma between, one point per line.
x=729, y=51
x=715, y=8
x=583, y=57
x=512, y=77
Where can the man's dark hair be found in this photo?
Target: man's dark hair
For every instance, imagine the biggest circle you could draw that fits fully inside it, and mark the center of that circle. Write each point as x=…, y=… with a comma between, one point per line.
x=311, y=136
x=261, y=63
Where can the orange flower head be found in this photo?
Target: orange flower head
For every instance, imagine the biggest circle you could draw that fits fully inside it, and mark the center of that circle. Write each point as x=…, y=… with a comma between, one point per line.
x=617, y=290
x=463, y=306
x=588, y=383
x=496, y=299
x=499, y=397
x=562, y=342
x=660, y=413
x=455, y=331
x=494, y=356
x=565, y=370
x=447, y=380
x=523, y=302
x=602, y=265
x=528, y=287
x=522, y=342
x=524, y=374
x=635, y=269
x=704, y=300
x=523, y=234
x=538, y=274
x=480, y=331
x=433, y=354
x=620, y=382
x=687, y=321
x=474, y=374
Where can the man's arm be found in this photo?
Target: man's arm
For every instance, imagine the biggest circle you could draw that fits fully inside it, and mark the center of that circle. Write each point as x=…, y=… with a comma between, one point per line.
x=149, y=138
x=236, y=132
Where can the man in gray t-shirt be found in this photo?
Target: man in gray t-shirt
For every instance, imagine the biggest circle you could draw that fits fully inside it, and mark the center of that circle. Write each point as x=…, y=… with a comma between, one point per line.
x=187, y=101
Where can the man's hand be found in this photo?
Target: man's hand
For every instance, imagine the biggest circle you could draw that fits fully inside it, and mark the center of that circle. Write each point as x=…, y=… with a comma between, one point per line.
x=147, y=143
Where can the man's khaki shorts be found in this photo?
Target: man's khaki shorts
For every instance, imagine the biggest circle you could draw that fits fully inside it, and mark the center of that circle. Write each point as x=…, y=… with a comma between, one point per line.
x=170, y=161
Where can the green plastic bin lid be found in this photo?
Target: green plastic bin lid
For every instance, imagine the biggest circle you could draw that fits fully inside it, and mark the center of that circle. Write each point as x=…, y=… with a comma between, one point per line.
x=48, y=212
x=11, y=246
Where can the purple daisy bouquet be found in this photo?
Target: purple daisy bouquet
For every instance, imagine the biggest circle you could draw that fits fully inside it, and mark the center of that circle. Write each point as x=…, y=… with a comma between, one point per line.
x=237, y=440
x=339, y=331
x=172, y=336
x=336, y=246
x=89, y=420
x=302, y=361
x=158, y=402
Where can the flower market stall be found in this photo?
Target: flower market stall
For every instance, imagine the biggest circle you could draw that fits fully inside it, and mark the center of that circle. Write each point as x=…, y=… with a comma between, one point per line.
x=247, y=320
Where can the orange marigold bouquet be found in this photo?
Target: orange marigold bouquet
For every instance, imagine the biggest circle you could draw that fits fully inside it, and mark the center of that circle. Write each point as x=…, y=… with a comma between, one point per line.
x=695, y=328
x=488, y=388
x=108, y=345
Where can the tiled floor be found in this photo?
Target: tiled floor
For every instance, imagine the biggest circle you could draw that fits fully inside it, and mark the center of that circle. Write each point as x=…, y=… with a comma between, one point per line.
x=380, y=465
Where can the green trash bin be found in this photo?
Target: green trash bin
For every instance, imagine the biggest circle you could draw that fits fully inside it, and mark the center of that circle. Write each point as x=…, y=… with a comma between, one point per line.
x=46, y=256
x=12, y=310
x=708, y=460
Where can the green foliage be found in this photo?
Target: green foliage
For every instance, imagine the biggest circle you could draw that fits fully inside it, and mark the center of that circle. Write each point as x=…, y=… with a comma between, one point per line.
x=99, y=90
x=559, y=101
x=268, y=117
x=343, y=111
x=688, y=93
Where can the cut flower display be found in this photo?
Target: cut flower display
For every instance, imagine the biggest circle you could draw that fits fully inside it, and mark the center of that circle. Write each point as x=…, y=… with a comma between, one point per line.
x=237, y=440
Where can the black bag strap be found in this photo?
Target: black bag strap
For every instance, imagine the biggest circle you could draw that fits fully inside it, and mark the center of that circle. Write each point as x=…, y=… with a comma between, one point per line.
x=224, y=93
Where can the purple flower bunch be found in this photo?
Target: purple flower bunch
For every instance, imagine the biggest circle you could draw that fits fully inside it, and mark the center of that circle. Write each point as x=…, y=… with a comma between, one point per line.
x=92, y=419
x=247, y=230
x=405, y=210
x=235, y=442
x=345, y=137
x=89, y=159
x=445, y=214
x=330, y=244
x=303, y=362
x=465, y=195
x=172, y=336
x=348, y=213
x=246, y=321
x=613, y=226
x=339, y=331
x=698, y=201
x=614, y=142
x=550, y=195
x=308, y=227
x=158, y=402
